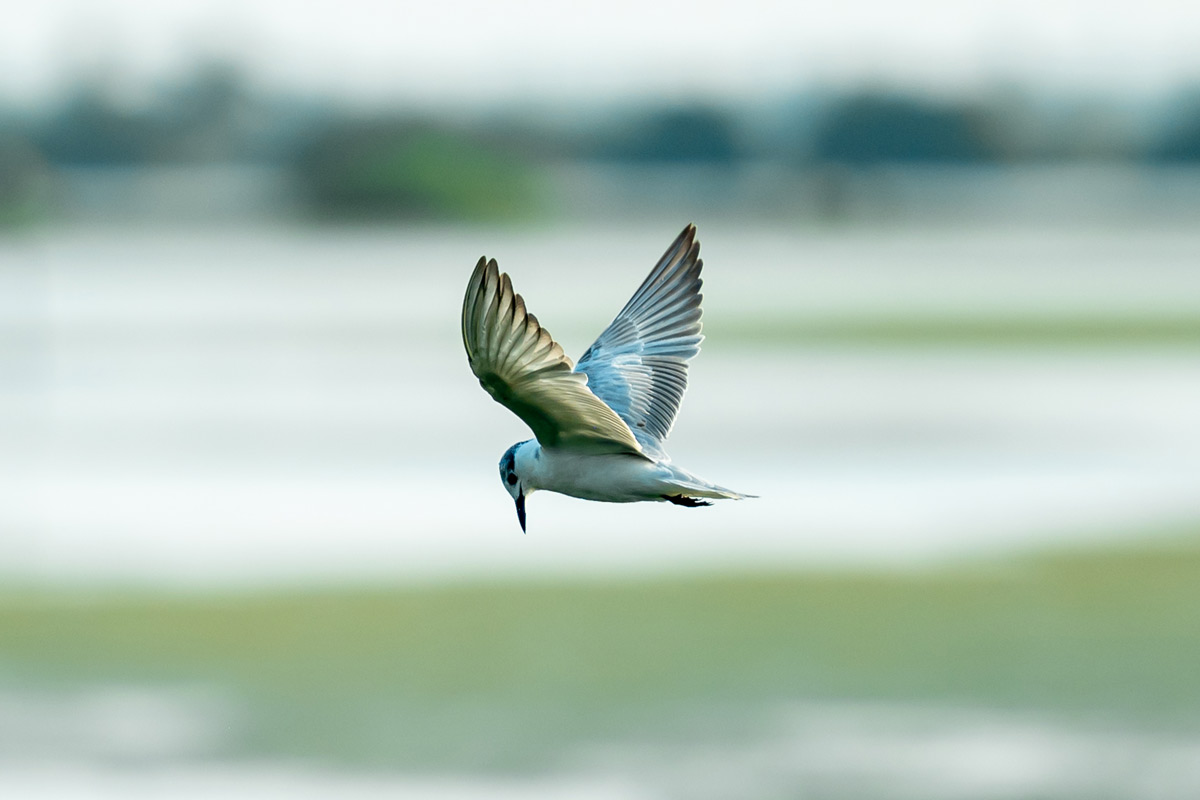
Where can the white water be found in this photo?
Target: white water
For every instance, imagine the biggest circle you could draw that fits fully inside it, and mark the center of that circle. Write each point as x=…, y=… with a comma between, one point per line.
x=247, y=406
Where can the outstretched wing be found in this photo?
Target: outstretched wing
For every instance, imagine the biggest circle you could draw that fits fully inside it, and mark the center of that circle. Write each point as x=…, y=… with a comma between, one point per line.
x=638, y=366
x=523, y=368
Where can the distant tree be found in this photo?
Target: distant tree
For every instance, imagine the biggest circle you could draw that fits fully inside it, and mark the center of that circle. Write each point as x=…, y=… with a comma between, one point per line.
x=207, y=115
x=874, y=129
x=397, y=169
x=92, y=130
x=1180, y=142
x=691, y=135
x=22, y=180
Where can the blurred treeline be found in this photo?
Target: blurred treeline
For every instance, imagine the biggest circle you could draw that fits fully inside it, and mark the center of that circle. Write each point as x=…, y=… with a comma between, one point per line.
x=343, y=162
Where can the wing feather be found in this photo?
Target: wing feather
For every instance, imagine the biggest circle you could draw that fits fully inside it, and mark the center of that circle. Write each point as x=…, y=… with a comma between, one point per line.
x=523, y=368
x=638, y=365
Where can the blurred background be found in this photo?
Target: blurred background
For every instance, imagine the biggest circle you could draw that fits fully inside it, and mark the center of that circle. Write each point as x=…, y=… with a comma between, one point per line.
x=252, y=541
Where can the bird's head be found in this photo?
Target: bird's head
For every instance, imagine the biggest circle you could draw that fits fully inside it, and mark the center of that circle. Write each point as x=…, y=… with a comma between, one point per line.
x=513, y=480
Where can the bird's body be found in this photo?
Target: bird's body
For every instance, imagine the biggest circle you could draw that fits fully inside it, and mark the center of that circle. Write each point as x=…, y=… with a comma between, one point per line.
x=599, y=425
x=608, y=477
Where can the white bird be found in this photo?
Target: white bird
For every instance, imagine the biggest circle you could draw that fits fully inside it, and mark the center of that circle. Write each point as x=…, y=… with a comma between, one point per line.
x=600, y=426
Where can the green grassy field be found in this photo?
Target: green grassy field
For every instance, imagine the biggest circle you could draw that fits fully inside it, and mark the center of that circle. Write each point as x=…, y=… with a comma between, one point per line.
x=507, y=676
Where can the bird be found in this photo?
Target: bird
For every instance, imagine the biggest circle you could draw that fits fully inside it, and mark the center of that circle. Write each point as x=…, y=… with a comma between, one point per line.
x=599, y=425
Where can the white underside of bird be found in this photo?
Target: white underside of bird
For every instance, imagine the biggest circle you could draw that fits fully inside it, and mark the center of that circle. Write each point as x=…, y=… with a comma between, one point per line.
x=613, y=478
x=599, y=425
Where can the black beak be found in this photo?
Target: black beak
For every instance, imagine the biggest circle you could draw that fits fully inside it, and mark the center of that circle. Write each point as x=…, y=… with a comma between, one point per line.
x=521, y=510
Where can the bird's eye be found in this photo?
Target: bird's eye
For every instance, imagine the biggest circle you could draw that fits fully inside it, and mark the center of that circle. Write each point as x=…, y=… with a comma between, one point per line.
x=512, y=479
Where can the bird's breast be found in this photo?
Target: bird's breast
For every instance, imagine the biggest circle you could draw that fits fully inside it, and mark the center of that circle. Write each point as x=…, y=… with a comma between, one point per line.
x=612, y=478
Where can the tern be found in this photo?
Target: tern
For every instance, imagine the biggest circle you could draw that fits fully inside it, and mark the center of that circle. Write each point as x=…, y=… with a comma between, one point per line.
x=599, y=425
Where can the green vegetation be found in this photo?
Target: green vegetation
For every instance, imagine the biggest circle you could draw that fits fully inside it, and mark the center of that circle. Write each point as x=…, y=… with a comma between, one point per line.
x=403, y=170
x=484, y=164
x=496, y=676
x=22, y=183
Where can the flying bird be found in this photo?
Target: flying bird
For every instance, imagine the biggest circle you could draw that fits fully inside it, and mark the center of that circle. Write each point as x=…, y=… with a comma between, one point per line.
x=599, y=425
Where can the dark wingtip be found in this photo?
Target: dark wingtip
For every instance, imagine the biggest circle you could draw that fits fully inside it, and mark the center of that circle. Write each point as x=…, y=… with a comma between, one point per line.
x=477, y=276
x=690, y=245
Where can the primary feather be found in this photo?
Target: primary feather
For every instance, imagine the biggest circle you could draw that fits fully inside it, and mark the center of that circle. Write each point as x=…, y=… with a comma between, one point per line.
x=638, y=365
x=523, y=368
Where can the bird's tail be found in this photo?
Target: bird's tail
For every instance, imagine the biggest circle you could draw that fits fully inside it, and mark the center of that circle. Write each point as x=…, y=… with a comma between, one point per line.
x=691, y=486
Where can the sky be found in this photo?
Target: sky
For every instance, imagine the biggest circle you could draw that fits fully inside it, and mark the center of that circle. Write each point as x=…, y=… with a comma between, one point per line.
x=473, y=51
